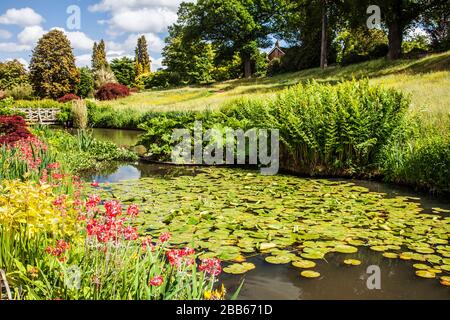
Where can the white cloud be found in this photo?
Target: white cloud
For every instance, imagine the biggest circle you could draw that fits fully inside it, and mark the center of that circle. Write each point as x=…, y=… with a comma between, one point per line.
x=155, y=44
x=116, y=5
x=22, y=17
x=5, y=34
x=156, y=64
x=83, y=60
x=30, y=35
x=13, y=47
x=21, y=60
x=78, y=39
x=143, y=20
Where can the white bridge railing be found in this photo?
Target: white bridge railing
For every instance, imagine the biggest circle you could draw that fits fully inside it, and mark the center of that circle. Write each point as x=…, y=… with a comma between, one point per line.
x=40, y=115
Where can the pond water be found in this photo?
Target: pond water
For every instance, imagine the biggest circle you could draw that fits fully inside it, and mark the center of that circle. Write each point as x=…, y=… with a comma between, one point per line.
x=233, y=213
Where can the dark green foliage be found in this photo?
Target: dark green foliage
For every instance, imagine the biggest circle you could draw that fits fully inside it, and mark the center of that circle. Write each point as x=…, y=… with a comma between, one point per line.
x=125, y=71
x=86, y=87
x=52, y=68
x=324, y=129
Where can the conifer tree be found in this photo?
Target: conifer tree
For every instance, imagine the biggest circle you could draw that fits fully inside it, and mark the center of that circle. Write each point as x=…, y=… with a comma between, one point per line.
x=142, y=58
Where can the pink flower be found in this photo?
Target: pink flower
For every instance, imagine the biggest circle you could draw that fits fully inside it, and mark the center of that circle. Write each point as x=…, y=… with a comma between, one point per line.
x=57, y=176
x=164, y=237
x=178, y=256
x=211, y=266
x=156, y=281
x=133, y=210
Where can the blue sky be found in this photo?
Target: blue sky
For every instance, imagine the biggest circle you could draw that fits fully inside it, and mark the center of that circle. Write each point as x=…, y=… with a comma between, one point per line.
x=118, y=22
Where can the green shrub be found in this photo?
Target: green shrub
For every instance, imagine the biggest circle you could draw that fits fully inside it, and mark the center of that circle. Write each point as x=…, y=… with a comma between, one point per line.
x=23, y=91
x=108, y=117
x=324, y=129
x=44, y=103
x=85, y=88
x=418, y=156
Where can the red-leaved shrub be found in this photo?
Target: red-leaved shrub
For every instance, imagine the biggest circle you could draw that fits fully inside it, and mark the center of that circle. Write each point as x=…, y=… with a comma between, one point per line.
x=111, y=91
x=68, y=97
x=13, y=129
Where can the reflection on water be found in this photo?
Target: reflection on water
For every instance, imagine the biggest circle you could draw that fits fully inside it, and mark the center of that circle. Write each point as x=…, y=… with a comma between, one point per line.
x=337, y=281
x=127, y=138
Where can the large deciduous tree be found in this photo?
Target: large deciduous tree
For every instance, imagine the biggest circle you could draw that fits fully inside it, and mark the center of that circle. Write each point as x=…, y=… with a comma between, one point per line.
x=192, y=61
x=231, y=26
x=53, y=72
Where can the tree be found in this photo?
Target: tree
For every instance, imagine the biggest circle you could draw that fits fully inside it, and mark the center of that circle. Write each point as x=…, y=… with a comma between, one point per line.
x=86, y=86
x=437, y=25
x=99, y=60
x=397, y=16
x=12, y=74
x=125, y=71
x=231, y=26
x=142, y=58
x=52, y=69
x=193, y=60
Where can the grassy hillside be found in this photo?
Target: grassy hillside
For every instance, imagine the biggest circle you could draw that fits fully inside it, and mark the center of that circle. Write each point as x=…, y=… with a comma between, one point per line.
x=426, y=79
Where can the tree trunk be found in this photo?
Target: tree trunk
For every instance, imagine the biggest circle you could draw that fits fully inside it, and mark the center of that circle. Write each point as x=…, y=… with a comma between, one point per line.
x=395, y=37
x=247, y=67
x=324, y=42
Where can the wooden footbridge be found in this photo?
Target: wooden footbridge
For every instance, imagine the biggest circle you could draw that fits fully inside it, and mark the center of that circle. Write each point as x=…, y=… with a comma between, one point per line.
x=40, y=115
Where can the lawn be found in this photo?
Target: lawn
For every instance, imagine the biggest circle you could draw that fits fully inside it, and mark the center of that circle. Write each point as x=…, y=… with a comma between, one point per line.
x=427, y=80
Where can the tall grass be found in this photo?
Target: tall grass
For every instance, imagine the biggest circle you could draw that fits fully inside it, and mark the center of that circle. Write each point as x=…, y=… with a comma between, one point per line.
x=79, y=114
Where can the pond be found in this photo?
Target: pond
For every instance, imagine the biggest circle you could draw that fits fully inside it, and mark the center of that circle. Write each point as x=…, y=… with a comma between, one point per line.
x=261, y=226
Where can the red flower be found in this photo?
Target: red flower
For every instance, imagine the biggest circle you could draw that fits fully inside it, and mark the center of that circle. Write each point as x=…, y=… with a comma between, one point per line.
x=57, y=176
x=113, y=208
x=95, y=184
x=130, y=233
x=54, y=165
x=178, y=256
x=147, y=243
x=133, y=210
x=58, y=251
x=211, y=266
x=164, y=237
x=156, y=281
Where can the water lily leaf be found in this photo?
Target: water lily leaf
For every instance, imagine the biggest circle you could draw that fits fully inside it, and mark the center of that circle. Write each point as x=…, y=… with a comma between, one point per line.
x=265, y=246
x=352, y=262
x=425, y=274
x=421, y=266
x=310, y=274
x=379, y=248
x=390, y=255
x=445, y=267
x=239, y=268
x=304, y=264
x=278, y=259
x=345, y=249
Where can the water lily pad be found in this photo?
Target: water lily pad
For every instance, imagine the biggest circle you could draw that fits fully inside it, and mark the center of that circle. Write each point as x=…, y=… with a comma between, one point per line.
x=310, y=274
x=278, y=259
x=379, y=248
x=421, y=266
x=239, y=268
x=390, y=255
x=304, y=264
x=345, y=249
x=266, y=246
x=352, y=262
x=445, y=267
x=425, y=274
